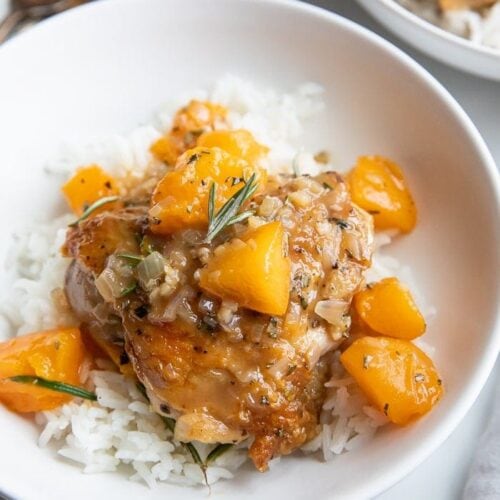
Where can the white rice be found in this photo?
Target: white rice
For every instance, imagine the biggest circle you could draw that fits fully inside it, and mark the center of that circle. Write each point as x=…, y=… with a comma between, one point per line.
x=119, y=431
x=479, y=26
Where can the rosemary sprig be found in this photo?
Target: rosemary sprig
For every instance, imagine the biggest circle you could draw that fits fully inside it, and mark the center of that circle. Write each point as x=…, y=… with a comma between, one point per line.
x=170, y=425
x=142, y=390
x=219, y=450
x=228, y=214
x=72, y=390
x=97, y=204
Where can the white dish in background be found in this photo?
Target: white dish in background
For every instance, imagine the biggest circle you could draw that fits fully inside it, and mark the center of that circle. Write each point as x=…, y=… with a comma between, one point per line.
x=105, y=67
x=435, y=41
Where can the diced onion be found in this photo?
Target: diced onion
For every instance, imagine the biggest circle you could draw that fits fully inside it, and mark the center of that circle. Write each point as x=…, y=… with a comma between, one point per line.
x=110, y=284
x=269, y=206
x=150, y=270
x=206, y=305
x=331, y=310
x=169, y=313
x=353, y=245
x=192, y=236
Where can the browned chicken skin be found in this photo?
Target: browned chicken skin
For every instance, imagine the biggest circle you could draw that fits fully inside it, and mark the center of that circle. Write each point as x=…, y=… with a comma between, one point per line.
x=227, y=373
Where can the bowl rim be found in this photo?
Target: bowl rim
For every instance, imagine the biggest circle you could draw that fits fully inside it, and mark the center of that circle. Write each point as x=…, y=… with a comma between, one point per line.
x=427, y=26
x=450, y=420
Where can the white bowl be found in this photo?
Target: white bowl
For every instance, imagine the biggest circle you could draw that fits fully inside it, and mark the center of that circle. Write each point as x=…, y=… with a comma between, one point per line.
x=435, y=41
x=105, y=67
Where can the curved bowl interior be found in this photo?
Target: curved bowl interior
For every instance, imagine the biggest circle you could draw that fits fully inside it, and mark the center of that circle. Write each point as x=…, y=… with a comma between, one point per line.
x=435, y=41
x=105, y=67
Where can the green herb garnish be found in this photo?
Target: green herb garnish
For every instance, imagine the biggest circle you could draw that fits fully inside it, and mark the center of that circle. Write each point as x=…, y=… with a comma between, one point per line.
x=219, y=450
x=55, y=386
x=97, y=204
x=133, y=259
x=228, y=214
x=146, y=245
x=128, y=290
x=340, y=222
x=170, y=425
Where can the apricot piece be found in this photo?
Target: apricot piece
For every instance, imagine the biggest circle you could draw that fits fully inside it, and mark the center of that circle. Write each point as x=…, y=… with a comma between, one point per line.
x=253, y=270
x=88, y=185
x=198, y=117
x=464, y=4
x=388, y=308
x=188, y=124
x=54, y=355
x=240, y=143
x=180, y=200
x=165, y=150
x=396, y=376
x=378, y=186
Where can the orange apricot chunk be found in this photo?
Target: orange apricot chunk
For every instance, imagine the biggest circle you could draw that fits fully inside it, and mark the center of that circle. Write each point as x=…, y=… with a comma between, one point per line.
x=55, y=355
x=188, y=124
x=165, y=150
x=240, y=143
x=88, y=185
x=198, y=117
x=396, y=376
x=388, y=308
x=464, y=4
x=378, y=186
x=252, y=270
x=180, y=199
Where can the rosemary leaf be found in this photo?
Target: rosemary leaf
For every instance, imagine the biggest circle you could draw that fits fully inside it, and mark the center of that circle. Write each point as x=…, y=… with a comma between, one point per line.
x=227, y=215
x=55, y=386
x=340, y=222
x=146, y=246
x=142, y=390
x=128, y=290
x=219, y=450
x=170, y=425
x=133, y=259
x=240, y=217
x=196, y=457
x=97, y=204
x=211, y=201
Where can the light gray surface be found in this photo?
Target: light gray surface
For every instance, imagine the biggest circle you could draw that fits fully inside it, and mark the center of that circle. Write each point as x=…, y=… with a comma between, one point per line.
x=442, y=476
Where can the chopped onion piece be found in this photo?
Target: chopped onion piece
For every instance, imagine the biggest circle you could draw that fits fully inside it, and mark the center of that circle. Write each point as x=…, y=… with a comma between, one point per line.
x=331, y=310
x=111, y=284
x=353, y=245
x=150, y=270
x=169, y=313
